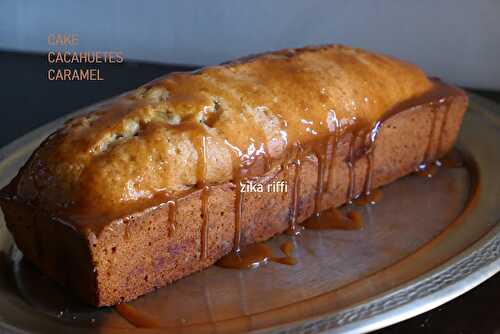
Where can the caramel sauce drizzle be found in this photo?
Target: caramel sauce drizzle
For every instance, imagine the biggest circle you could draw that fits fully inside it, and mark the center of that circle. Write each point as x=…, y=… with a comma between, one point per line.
x=426, y=170
x=238, y=205
x=287, y=248
x=369, y=196
x=293, y=228
x=172, y=216
x=321, y=152
x=427, y=167
x=334, y=219
x=332, y=150
x=205, y=191
x=251, y=256
x=255, y=255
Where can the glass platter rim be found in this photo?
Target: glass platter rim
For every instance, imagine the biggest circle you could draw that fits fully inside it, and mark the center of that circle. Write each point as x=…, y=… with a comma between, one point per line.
x=449, y=280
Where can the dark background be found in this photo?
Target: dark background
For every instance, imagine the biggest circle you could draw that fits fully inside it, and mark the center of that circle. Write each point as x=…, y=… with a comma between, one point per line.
x=28, y=100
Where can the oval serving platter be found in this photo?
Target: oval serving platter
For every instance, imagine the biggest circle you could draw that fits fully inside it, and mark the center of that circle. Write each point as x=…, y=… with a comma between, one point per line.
x=421, y=246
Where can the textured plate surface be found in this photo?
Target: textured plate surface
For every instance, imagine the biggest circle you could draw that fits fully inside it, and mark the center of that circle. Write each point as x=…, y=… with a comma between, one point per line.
x=412, y=255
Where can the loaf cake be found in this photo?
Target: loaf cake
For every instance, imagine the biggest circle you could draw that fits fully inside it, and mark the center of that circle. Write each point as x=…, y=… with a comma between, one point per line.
x=145, y=188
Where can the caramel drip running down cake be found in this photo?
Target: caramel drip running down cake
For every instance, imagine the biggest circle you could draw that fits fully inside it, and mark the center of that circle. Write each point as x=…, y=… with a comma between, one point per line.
x=144, y=188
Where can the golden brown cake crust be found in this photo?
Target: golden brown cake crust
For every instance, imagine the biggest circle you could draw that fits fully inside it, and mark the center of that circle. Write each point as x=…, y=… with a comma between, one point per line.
x=143, y=190
x=127, y=150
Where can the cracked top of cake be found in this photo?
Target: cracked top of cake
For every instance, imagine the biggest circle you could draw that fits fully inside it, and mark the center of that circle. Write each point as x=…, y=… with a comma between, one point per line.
x=147, y=141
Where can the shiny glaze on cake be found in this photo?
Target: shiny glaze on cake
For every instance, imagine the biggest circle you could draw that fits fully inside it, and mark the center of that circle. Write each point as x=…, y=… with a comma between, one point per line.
x=188, y=130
